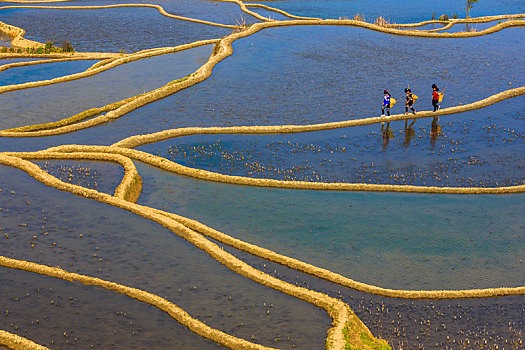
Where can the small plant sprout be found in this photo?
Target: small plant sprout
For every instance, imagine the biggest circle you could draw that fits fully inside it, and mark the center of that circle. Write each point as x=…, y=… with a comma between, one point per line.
x=241, y=24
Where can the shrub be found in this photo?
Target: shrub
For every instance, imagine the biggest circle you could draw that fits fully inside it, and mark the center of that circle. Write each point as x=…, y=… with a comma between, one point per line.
x=434, y=15
x=444, y=17
x=67, y=47
x=48, y=47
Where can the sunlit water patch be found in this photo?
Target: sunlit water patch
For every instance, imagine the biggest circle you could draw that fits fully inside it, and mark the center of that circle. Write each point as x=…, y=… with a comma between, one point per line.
x=46, y=71
x=109, y=30
x=44, y=225
x=277, y=76
x=411, y=241
x=54, y=102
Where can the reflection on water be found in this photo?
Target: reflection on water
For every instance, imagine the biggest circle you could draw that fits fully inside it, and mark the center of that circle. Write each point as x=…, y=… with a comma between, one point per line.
x=337, y=74
x=47, y=71
x=50, y=103
x=480, y=148
x=5, y=40
x=288, y=75
x=388, y=239
x=55, y=228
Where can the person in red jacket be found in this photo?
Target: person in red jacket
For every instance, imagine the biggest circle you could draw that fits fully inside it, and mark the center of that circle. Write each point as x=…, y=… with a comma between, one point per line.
x=435, y=97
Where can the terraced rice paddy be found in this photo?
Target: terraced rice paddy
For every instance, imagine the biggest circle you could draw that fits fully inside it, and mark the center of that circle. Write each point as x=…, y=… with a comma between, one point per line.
x=208, y=174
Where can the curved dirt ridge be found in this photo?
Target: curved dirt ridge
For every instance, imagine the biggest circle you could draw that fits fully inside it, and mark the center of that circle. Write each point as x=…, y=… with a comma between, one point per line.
x=70, y=150
x=282, y=12
x=15, y=342
x=130, y=186
x=179, y=169
x=18, y=36
x=5, y=67
x=342, y=316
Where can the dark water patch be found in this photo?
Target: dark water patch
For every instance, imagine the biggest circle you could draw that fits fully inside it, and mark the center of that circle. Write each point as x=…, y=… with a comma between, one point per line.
x=213, y=11
x=109, y=30
x=58, y=314
x=394, y=240
x=482, y=148
x=101, y=176
x=47, y=71
x=54, y=102
x=47, y=226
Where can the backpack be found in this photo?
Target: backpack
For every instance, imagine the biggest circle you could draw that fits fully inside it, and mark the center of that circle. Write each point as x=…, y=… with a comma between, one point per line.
x=392, y=102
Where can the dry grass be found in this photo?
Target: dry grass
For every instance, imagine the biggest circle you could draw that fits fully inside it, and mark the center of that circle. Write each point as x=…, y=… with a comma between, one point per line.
x=380, y=21
x=359, y=17
x=241, y=24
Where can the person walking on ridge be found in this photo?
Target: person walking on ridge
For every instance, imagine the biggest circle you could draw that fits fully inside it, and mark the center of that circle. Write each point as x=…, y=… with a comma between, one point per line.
x=435, y=97
x=386, y=103
x=409, y=101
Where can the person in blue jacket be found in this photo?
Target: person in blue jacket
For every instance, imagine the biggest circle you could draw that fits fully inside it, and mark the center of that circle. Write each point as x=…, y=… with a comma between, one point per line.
x=386, y=104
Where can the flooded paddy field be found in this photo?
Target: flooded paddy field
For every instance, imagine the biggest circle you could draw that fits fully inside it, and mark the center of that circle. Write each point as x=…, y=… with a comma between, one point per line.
x=438, y=269
x=402, y=235
x=276, y=77
x=415, y=324
x=26, y=74
x=99, y=30
x=471, y=149
x=55, y=228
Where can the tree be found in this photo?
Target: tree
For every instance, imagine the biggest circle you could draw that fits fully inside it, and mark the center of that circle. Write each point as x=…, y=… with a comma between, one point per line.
x=469, y=5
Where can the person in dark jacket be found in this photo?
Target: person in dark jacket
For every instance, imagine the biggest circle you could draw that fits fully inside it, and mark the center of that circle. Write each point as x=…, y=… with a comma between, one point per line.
x=409, y=101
